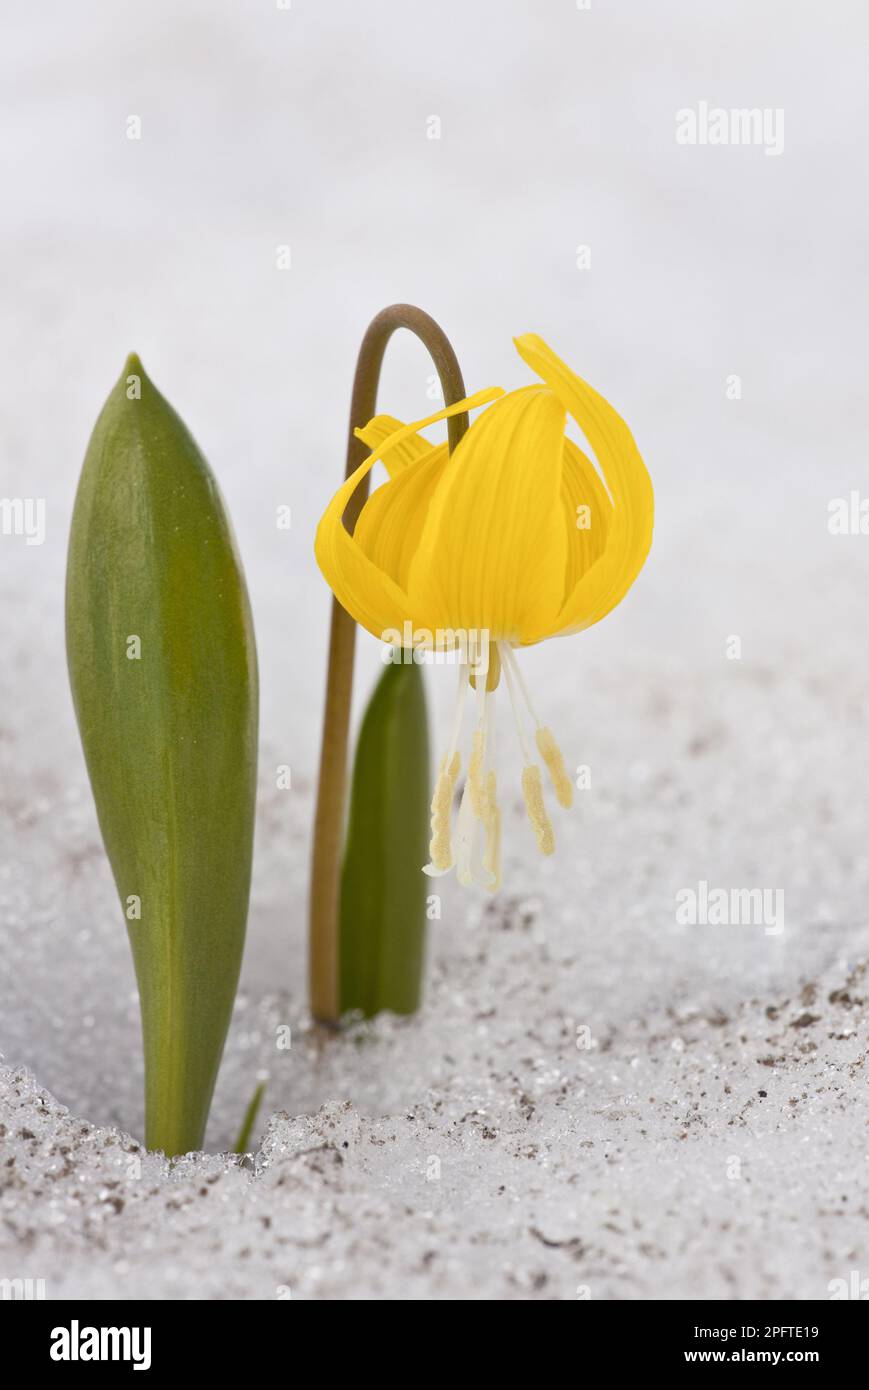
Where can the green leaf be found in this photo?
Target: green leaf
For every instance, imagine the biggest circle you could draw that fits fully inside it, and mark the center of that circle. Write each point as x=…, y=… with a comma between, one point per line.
x=249, y=1120
x=162, y=664
x=383, y=888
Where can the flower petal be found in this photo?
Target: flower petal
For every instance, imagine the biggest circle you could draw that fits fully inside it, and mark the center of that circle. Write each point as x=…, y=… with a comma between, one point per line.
x=368, y=594
x=493, y=550
x=391, y=521
x=398, y=456
x=588, y=514
x=630, y=531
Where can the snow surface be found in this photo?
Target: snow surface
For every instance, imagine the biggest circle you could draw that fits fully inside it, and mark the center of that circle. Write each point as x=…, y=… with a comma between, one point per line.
x=710, y=1141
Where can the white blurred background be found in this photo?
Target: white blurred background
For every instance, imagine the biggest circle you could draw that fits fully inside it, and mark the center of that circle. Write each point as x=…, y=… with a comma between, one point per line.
x=263, y=127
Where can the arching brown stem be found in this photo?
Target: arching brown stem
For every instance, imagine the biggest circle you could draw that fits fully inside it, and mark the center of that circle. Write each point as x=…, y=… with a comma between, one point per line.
x=332, y=786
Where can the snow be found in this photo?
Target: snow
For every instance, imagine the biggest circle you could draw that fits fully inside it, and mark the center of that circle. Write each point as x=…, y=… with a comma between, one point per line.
x=710, y=1140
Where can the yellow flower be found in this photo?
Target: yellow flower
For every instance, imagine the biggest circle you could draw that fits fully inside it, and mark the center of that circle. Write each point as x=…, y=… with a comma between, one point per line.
x=511, y=539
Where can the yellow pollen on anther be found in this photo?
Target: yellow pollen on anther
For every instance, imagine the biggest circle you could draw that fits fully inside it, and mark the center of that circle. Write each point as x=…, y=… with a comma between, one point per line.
x=532, y=791
x=552, y=756
x=475, y=775
x=441, y=848
x=492, y=854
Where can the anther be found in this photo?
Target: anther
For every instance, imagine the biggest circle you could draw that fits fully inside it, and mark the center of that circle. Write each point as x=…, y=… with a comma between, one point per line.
x=475, y=774
x=532, y=791
x=441, y=848
x=552, y=756
x=492, y=854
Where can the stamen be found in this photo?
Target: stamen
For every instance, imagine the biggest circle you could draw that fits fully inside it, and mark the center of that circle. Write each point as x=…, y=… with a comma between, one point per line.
x=532, y=791
x=554, y=760
x=475, y=774
x=478, y=754
x=532, y=785
x=466, y=830
x=460, y=708
x=510, y=672
x=492, y=854
x=509, y=657
x=479, y=809
x=544, y=737
x=441, y=849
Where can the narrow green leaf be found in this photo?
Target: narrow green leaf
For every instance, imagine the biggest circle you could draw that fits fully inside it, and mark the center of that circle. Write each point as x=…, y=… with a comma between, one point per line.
x=162, y=664
x=383, y=888
x=247, y=1124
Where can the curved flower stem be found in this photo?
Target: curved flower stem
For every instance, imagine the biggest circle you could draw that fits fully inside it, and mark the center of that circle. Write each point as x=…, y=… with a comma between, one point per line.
x=331, y=790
